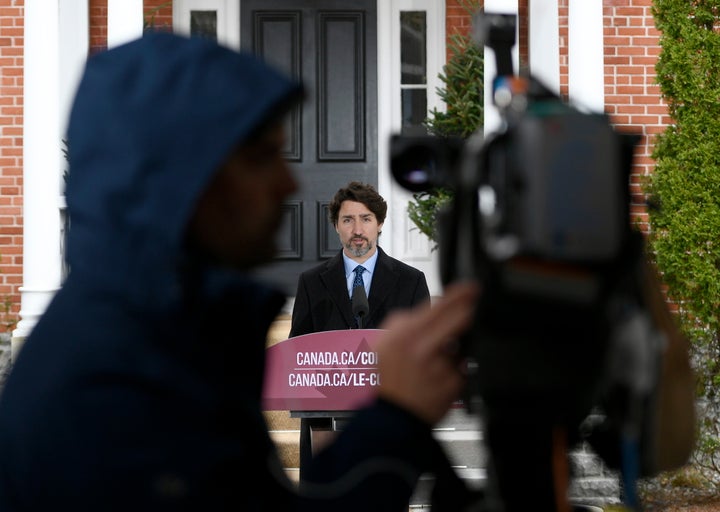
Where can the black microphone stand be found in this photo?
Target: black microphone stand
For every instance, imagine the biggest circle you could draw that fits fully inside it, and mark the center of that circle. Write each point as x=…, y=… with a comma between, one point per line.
x=360, y=306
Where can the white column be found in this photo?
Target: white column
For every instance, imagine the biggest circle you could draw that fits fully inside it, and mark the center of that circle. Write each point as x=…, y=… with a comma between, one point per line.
x=586, y=83
x=492, y=118
x=125, y=21
x=73, y=49
x=41, y=165
x=56, y=46
x=543, y=42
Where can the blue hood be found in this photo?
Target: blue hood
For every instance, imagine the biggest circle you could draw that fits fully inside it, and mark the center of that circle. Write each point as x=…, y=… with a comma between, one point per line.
x=151, y=122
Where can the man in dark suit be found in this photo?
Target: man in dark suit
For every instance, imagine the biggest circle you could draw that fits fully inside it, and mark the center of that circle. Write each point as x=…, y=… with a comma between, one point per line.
x=323, y=298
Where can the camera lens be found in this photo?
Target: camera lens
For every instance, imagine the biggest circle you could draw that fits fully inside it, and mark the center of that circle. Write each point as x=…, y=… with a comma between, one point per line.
x=419, y=163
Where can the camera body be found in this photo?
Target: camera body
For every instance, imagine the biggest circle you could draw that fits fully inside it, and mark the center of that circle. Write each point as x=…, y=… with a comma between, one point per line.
x=540, y=216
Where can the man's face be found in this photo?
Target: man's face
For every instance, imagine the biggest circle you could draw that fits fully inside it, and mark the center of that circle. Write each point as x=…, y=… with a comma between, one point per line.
x=358, y=230
x=238, y=216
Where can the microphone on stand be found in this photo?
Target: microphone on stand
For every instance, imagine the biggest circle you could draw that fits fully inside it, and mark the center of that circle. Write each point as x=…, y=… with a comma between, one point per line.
x=360, y=306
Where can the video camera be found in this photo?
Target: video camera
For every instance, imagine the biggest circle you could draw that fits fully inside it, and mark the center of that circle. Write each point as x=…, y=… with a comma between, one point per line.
x=540, y=216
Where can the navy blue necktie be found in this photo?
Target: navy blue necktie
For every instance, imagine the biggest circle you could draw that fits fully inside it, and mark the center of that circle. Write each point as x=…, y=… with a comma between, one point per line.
x=358, y=276
x=358, y=282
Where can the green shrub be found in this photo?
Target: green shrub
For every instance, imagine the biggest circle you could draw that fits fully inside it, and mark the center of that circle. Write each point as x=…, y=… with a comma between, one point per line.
x=684, y=188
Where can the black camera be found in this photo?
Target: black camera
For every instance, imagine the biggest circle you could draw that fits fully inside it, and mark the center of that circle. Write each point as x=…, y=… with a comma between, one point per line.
x=540, y=216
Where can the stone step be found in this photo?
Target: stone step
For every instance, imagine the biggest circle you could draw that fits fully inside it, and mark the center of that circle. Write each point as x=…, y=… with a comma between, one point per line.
x=293, y=474
x=279, y=330
x=281, y=420
x=287, y=447
x=285, y=432
x=464, y=448
x=474, y=478
x=458, y=434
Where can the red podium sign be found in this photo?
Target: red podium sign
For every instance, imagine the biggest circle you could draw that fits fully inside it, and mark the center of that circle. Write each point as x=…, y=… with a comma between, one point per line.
x=322, y=371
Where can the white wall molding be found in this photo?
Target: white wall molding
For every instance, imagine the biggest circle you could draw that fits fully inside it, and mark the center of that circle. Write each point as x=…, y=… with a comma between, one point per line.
x=586, y=73
x=125, y=21
x=544, y=43
x=53, y=58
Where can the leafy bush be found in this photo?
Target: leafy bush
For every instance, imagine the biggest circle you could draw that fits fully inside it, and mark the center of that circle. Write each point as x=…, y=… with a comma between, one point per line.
x=424, y=207
x=463, y=91
x=685, y=188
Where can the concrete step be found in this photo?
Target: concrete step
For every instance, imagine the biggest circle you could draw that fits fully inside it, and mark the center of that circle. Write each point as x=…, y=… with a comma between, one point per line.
x=285, y=432
x=287, y=447
x=474, y=478
x=281, y=420
x=460, y=435
x=279, y=329
x=464, y=448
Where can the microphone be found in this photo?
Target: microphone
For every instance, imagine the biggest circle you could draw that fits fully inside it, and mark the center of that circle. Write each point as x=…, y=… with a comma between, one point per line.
x=360, y=306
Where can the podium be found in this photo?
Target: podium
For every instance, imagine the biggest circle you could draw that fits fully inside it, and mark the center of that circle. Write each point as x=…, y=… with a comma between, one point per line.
x=323, y=376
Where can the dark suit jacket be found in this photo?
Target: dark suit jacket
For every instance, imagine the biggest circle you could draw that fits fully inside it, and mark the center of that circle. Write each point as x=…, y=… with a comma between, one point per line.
x=322, y=302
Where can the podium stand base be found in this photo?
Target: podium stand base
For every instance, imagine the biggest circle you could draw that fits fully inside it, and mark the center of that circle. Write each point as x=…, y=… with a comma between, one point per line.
x=317, y=429
x=320, y=437
x=322, y=432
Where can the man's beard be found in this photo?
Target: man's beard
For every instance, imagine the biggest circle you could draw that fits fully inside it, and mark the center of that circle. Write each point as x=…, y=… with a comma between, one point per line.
x=359, y=252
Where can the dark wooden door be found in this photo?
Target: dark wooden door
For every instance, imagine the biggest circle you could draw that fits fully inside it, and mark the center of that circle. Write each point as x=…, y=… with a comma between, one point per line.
x=330, y=45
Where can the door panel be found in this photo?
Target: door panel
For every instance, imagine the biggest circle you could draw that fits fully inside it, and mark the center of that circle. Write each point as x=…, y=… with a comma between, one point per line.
x=330, y=45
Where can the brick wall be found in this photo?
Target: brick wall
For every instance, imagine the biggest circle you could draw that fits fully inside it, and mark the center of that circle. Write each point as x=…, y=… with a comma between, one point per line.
x=98, y=25
x=11, y=161
x=631, y=95
x=159, y=13
x=456, y=19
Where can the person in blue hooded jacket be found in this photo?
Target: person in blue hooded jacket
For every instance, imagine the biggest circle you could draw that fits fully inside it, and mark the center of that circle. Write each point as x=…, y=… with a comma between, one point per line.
x=139, y=389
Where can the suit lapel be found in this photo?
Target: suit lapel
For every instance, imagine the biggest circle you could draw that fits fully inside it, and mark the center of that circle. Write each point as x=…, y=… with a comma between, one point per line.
x=384, y=280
